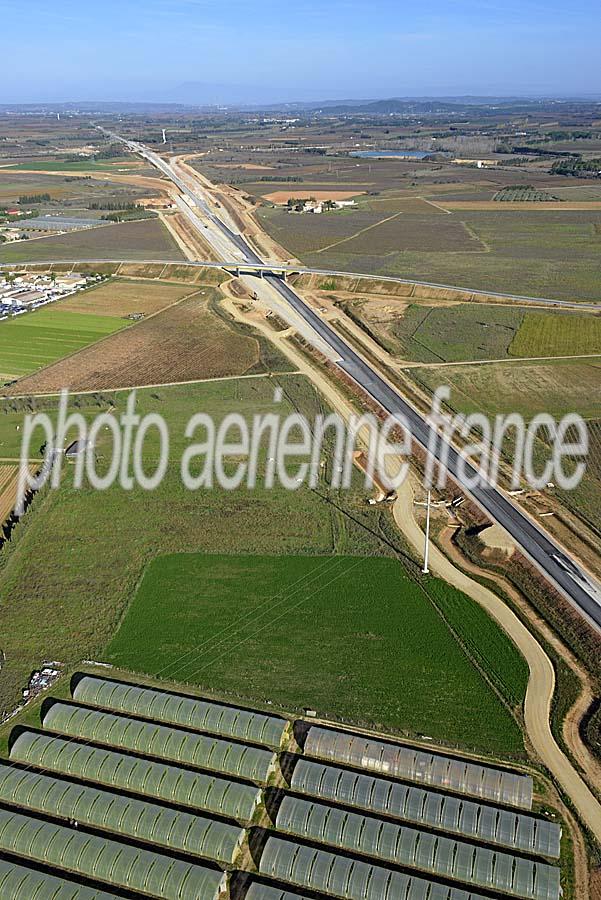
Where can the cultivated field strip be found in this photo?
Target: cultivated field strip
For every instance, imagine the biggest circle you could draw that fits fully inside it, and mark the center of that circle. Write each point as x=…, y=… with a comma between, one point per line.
x=9, y=484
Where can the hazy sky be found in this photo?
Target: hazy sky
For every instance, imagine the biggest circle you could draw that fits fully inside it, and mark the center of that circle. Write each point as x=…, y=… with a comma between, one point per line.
x=258, y=50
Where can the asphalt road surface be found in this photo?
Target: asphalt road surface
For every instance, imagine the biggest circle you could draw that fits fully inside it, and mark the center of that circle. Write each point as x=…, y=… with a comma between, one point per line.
x=557, y=566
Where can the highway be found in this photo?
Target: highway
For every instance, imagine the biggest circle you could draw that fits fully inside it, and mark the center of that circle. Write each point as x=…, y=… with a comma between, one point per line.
x=551, y=559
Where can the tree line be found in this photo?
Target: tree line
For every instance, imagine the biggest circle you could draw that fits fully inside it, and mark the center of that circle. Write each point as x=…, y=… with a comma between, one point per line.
x=26, y=199
x=584, y=168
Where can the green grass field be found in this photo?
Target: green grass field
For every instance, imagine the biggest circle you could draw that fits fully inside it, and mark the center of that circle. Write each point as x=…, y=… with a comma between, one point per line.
x=345, y=635
x=550, y=334
x=459, y=332
x=468, y=332
x=13, y=411
x=36, y=339
x=524, y=387
x=81, y=582
x=462, y=332
x=56, y=165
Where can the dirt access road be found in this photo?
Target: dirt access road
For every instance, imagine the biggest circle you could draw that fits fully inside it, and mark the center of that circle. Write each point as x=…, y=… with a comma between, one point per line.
x=541, y=683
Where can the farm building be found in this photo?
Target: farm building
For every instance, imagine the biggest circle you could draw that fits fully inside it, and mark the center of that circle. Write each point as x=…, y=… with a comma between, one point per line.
x=434, y=855
x=112, y=812
x=143, y=777
x=11, y=234
x=89, y=855
x=456, y=815
x=342, y=876
x=258, y=891
x=174, y=744
x=59, y=223
x=20, y=883
x=425, y=768
x=70, y=282
x=177, y=709
x=128, y=790
x=27, y=297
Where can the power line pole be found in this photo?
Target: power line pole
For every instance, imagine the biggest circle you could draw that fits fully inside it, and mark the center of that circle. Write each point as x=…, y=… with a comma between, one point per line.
x=425, y=568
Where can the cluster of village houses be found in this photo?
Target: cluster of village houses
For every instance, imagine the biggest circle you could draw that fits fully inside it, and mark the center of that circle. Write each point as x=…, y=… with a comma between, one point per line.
x=10, y=229
x=25, y=291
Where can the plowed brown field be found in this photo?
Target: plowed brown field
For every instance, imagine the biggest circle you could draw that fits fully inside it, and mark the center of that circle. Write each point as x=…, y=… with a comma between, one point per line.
x=284, y=196
x=185, y=342
x=121, y=297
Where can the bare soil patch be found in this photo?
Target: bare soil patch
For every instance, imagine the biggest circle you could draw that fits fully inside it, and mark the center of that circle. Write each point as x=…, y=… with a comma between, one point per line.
x=9, y=483
x=197, y=246
x=253, y=166
x=284, y=196
x=497, y=538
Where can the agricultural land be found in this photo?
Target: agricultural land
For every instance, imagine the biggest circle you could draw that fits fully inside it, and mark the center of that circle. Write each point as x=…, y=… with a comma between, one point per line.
x=188, y=340
x=456, y=332
x=88, y=600
x=125, y=240
x=313, y=599
x=39, y=338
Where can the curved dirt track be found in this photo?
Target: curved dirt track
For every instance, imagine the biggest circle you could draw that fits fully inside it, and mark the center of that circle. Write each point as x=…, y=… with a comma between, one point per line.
x=541, y=683
x=571, y=723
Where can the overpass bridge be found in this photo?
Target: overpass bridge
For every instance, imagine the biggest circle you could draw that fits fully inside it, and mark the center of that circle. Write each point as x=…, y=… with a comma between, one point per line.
x=236, y=268
x=261, y=270
x=282, y=270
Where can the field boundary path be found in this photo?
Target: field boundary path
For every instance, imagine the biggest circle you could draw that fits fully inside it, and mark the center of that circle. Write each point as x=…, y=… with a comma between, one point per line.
x=141, y=387
x=570, y=727
x=486, y=362
x=352, y=237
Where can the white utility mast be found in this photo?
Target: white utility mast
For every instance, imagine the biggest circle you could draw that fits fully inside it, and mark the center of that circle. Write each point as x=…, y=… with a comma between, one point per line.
x=425, y=569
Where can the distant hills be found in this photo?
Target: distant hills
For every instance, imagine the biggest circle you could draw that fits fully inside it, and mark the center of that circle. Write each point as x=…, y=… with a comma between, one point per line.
x=431, y=105
x=197, y=96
